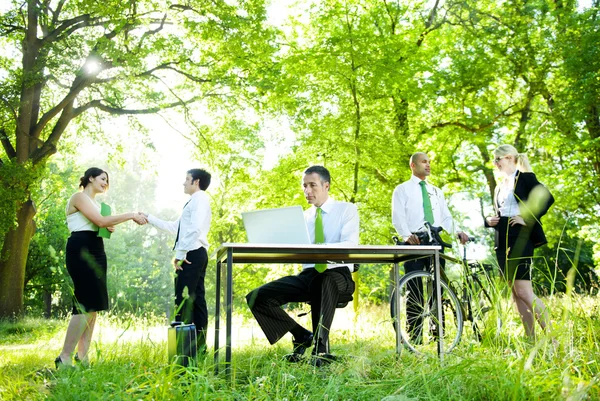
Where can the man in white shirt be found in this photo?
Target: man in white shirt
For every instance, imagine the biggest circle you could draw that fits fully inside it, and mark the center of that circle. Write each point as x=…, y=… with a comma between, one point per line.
x=340, y=225
x=409, y=204
x=191, y=253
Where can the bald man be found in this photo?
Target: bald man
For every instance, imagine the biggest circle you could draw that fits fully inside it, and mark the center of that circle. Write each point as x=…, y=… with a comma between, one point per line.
x=409, y=215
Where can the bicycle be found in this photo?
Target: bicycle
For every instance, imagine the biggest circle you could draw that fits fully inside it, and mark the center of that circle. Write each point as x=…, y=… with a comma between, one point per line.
x=473, y=303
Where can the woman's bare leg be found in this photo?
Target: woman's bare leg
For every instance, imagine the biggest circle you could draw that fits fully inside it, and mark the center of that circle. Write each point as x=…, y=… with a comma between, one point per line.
x=75, y=330
x=529, y=305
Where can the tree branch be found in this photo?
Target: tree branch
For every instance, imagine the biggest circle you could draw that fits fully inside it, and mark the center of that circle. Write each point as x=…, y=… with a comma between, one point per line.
x=168, y=66
x=80, y=21
x=429, y=24
x=121, y=111
x=152, y=32
x=56, y=13
x=10, y=107
x=11, y=28
x=78, y=85
x=56, y=81
x=49, y=147
x=474, y=129
x=8, y=148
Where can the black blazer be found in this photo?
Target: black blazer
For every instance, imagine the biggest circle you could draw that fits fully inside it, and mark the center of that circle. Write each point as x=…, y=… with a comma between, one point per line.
x=532, y=205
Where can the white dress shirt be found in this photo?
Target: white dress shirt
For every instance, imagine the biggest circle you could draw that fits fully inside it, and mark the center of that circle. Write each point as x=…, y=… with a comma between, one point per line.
x=505, y=197
x=340, y=225
x=407, y=208
x=195, y=224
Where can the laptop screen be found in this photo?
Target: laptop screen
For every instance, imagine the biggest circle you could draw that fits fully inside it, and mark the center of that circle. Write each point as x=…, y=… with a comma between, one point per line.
x=276, y=226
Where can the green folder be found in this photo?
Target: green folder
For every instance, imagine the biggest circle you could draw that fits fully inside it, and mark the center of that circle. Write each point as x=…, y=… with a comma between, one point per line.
x=104, y=211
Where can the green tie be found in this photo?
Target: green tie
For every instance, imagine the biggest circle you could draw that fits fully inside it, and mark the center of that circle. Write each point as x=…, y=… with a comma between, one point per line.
x=319, y=238
x=426, y=203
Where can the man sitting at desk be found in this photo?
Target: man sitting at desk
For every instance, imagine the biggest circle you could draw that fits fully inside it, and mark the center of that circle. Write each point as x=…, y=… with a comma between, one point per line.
x=328, y=222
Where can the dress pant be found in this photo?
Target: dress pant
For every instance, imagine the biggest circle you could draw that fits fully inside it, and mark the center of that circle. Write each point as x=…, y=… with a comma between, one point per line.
x=322, y=290
x=192, y=309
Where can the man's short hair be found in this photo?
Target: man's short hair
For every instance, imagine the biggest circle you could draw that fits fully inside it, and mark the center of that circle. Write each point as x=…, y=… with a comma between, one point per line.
x=202, y=175
x=322, y=171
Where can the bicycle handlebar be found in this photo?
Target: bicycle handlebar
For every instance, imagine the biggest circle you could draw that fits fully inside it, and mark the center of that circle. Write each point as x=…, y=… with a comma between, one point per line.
x=429, y=237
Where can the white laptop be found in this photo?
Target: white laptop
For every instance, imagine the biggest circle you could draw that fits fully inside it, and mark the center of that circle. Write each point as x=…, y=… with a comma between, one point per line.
x=284, y=225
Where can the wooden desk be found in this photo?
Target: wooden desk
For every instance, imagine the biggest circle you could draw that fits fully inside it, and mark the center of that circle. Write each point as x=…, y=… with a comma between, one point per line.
x=230, y=253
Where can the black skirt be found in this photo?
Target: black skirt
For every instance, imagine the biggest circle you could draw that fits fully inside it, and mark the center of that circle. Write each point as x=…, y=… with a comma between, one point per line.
x=86, y=264
x=514, y=250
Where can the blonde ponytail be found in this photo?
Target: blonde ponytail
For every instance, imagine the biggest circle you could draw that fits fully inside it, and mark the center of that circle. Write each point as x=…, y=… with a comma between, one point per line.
x=523, y=163
x=521, y=159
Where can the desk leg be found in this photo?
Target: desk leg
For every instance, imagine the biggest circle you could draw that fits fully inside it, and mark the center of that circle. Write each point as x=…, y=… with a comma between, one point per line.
x=229, y=311
x=397, y=301
x=217, y=316
x=438, y=292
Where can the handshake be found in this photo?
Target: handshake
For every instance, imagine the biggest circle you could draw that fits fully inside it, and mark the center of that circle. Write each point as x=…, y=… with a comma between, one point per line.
x=140, y=218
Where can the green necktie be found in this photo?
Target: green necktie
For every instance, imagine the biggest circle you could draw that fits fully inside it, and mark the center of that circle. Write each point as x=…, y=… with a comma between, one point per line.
x=426, y=203
x=319, y=238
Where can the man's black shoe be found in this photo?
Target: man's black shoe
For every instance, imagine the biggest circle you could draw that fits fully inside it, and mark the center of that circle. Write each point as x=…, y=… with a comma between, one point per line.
x=299, y=348
x=293, y=358
x=322, y=359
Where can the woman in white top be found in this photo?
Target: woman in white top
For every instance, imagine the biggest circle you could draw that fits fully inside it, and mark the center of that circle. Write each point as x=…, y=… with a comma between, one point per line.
x=86, y=261
x=520, y=202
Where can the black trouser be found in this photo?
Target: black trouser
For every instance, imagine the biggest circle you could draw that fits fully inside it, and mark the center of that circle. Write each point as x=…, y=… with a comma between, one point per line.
x=322, y=290
x=193, y=308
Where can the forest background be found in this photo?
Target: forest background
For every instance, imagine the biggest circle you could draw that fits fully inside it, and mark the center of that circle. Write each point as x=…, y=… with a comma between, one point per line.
x=259, y=92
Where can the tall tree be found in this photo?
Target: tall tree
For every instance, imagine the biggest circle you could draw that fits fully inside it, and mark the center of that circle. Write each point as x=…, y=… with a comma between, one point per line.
x=63, y=60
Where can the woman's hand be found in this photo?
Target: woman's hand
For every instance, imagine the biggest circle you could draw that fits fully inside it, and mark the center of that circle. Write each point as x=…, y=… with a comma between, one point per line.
x=516, y=220
x=140, y=218
x=111, y=229
x=492, y=220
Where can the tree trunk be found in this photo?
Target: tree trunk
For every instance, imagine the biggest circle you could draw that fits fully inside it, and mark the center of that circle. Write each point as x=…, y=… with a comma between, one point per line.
x=12, y=261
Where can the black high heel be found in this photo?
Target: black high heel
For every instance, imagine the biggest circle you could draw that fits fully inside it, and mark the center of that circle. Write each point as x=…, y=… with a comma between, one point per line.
x=58, y=362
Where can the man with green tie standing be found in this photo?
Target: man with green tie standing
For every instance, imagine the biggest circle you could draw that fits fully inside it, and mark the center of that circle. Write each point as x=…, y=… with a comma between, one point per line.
x=415, y=202
x=328, y=222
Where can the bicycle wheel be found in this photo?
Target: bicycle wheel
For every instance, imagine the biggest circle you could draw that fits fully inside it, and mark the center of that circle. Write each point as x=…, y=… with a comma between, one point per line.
x=417, y=317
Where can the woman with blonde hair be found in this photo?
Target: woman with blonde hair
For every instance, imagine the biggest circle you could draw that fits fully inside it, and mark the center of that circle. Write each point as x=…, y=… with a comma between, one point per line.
x=520, y=201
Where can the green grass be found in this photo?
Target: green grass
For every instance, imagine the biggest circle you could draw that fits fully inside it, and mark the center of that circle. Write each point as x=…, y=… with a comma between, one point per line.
x=129, y=362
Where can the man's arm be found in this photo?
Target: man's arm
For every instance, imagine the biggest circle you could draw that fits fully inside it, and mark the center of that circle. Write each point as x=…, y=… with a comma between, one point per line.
x=191, y=230
x=168, y=226
x=399, y=199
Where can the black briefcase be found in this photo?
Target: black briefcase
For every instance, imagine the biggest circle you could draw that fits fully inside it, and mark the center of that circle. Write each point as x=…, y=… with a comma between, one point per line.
x=183, y=349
